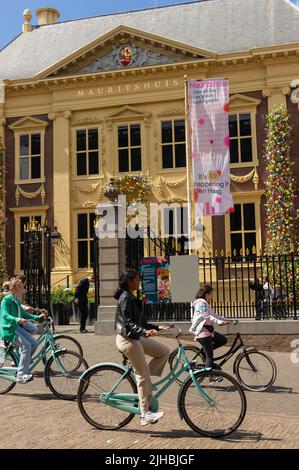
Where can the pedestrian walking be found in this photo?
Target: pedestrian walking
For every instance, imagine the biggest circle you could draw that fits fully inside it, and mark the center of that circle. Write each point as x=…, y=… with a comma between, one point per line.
x=269, y=293
x=259, y=297
x=81, y=299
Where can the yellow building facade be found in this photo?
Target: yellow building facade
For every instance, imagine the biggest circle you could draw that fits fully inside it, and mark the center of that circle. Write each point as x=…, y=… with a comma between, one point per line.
x=94, y=115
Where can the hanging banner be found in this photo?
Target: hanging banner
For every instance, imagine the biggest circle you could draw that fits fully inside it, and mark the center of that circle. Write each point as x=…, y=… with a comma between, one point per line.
x=208, y=102
x=155, y=279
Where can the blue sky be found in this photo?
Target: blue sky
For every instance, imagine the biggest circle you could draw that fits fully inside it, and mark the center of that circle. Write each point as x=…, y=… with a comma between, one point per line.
x=12, y=10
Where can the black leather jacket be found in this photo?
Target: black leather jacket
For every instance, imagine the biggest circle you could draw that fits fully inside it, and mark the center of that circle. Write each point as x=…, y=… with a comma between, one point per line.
x=130, y=321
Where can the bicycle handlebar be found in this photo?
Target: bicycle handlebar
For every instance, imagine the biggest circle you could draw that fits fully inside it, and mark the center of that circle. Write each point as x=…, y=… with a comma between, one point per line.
x=171, y=326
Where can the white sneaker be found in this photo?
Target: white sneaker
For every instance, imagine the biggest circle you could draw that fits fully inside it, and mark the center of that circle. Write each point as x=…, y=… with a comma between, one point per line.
x=24, y=379
x=151, y=418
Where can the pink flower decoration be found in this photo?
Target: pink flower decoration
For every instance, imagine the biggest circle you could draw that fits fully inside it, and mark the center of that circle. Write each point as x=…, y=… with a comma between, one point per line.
x=201, y=121
x=211, y=141
x=226, y=141
x=218, y=199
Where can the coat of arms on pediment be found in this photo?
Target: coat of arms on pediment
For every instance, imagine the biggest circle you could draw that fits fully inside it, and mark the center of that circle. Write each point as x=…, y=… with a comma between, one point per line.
x=127, y=56
x=124, y=48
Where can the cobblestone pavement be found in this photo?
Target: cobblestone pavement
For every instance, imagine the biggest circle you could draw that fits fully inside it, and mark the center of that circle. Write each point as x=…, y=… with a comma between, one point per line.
x=31, y=417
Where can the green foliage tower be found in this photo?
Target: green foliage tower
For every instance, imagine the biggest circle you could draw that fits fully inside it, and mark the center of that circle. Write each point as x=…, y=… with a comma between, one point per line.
x=281, y=223
x=281, y=233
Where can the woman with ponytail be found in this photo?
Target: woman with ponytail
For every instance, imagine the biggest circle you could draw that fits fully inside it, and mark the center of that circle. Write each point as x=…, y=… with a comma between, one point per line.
x=134, y=340
x=202, y=325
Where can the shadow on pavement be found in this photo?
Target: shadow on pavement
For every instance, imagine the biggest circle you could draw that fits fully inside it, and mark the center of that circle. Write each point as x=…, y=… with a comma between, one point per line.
x=37, y=396
x=276, y=389
x=237, y=436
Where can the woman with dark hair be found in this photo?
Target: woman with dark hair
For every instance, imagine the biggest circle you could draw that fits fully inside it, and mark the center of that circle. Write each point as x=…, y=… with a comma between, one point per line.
x=202, y=325
x=134, y=340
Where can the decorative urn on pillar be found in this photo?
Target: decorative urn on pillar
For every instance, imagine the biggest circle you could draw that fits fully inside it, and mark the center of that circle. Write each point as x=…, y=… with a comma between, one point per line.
x=112, y=192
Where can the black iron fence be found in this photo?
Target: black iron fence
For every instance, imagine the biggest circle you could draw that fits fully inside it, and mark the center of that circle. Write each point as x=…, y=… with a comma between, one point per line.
x=246, y=285
x=252, y=286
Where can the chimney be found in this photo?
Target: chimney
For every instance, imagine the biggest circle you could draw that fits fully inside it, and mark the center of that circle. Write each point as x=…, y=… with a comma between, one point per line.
x=47, y=15
x=27, y=15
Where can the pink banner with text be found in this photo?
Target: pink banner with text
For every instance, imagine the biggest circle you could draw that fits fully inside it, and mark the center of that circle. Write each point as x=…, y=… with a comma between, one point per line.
x=209, y=129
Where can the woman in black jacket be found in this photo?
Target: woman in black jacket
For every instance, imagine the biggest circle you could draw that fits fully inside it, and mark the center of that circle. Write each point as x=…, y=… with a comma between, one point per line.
x=134, y=340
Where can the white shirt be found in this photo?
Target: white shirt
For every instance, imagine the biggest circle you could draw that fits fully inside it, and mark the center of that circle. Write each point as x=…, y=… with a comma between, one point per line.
x=203, y=315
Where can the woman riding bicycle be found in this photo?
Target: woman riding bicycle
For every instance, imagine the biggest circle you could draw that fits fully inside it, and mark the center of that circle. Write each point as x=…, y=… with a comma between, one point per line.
x=13, y=320
x=202, y=325
x=133, y=340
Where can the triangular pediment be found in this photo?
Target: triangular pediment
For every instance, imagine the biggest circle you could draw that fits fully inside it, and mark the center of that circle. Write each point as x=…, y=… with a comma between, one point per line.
x=125, y=48
x=27, y=123
x=128, y=112
x=243, y=101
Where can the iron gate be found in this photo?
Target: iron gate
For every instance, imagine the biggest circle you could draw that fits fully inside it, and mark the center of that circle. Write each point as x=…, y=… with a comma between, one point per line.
x=37, y=265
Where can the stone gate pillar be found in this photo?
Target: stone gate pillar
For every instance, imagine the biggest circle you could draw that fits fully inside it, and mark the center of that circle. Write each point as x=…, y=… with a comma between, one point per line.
x=112, y=260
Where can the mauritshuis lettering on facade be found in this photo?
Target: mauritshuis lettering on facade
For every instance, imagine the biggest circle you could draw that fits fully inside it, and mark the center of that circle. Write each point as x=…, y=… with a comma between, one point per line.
x=138, y=87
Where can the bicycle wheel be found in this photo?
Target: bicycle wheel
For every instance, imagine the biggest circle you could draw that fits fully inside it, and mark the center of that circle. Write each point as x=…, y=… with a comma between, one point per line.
x=63, y=372
x=192, y=353
x=66, y=342
x=99, y=380
x=255, y=371
x=219, y=416
x=7, y=359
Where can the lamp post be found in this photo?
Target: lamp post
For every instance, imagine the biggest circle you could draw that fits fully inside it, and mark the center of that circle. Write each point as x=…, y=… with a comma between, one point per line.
x=53, y=240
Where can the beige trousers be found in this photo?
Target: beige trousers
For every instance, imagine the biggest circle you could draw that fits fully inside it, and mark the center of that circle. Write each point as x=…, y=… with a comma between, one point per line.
x=135, y=350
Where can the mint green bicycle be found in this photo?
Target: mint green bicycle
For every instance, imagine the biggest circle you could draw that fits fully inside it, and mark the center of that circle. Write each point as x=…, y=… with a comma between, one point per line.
x=212, y=403
x=62, y=368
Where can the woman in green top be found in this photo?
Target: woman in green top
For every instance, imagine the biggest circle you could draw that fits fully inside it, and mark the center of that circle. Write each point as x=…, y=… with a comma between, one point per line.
x=12, y=328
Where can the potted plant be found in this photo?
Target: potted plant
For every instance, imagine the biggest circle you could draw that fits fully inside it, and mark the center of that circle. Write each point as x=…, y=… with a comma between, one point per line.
x=91, y=306
x=60, y=304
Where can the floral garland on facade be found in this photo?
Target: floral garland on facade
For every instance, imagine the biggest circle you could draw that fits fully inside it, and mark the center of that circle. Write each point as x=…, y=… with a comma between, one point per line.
x=280, y=185
x=2, y=219
x=137, y=189
x=280, y=189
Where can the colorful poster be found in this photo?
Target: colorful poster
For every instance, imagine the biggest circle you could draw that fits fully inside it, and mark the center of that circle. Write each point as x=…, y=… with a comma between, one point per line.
x=208, y=102
x=155, y=275
x=163, y=280
x=148, y=270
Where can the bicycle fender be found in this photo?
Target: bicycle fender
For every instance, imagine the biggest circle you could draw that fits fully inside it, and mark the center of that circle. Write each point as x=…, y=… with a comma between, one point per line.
x=242, y=354
x=252, y=348
x=120, y=366
x=237, y=360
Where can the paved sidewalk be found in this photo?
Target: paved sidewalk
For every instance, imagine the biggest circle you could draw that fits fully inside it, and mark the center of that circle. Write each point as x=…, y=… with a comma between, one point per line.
x=31, y=417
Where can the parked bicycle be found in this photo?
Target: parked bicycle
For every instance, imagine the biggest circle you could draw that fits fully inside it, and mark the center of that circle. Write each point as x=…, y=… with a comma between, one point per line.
x=255, y=370
x=213, y=403
x=62, y=369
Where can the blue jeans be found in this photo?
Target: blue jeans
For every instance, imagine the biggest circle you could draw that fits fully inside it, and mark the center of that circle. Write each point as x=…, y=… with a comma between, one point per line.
x=30, y=327
x=27, y=345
